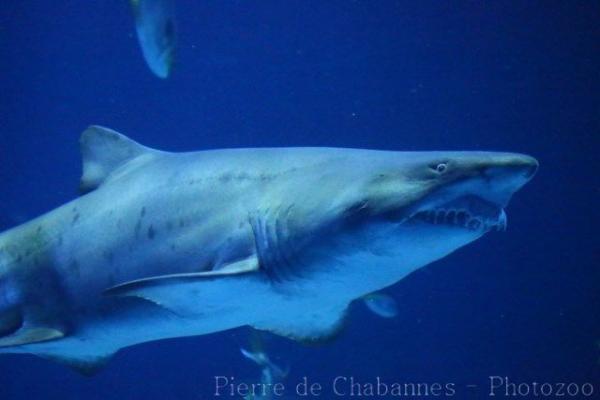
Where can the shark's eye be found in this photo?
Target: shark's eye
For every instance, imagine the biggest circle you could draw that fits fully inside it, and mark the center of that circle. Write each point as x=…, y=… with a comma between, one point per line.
x=440, y=168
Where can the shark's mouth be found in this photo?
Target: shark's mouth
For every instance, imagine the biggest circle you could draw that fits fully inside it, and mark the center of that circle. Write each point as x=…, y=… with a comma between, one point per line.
x=468, y=212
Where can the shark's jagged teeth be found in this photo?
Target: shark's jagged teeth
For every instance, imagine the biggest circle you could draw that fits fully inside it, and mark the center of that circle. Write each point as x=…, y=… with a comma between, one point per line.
x=462, y=217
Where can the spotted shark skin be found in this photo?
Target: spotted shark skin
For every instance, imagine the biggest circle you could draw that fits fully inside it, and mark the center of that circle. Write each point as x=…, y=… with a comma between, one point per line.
x=164, y=245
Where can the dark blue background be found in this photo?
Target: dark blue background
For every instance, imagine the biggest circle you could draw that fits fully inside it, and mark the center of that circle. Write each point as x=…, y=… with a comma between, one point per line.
x=516, y=76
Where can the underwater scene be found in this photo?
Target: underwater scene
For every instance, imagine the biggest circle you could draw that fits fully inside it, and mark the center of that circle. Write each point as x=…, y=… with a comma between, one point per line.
x=299, y=199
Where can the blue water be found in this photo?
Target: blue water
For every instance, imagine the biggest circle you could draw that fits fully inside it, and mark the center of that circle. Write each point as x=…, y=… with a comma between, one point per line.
x=427, y=75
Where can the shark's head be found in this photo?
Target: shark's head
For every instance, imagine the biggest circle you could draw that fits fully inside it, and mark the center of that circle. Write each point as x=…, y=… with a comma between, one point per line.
x=405, y=210
x=461, y=190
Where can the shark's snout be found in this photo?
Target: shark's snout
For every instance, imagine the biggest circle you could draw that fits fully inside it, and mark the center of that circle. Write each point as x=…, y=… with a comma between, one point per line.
x=503, y=175
x=529, y=166
x=515, y=166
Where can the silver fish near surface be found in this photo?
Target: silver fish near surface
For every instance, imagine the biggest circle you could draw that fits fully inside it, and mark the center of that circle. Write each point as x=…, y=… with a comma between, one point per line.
x=166, y=245
x=155, y=28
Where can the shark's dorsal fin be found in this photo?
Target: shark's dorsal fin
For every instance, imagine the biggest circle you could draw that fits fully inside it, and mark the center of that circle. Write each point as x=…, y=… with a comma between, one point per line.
x=103, y=151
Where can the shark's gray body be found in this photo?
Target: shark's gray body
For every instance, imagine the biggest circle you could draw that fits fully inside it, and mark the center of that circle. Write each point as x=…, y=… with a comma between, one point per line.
x=167, y=245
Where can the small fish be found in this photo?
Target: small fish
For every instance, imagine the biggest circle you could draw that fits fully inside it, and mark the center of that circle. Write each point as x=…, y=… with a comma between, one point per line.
x=382, y=305
x=155, y=27
x=258, y=357
x=270, y=373
x=266, y=380
x=269, y=370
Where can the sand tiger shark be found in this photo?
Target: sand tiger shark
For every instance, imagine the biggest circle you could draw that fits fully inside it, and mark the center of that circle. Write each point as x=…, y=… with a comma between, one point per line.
x=163, y=245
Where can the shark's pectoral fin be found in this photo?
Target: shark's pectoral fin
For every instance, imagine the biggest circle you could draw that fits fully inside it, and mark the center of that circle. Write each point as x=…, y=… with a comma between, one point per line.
x=85, y=365
x=311, y=326
x=27, y=335
x=246, y=265
x=103, y=151
x=198, y=293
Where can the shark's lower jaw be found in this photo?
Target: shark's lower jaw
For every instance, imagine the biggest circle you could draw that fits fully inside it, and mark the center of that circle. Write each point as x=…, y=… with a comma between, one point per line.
x=468, y=212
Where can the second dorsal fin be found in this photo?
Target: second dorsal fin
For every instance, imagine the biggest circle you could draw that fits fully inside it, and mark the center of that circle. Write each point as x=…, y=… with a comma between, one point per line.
x=104, y=151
